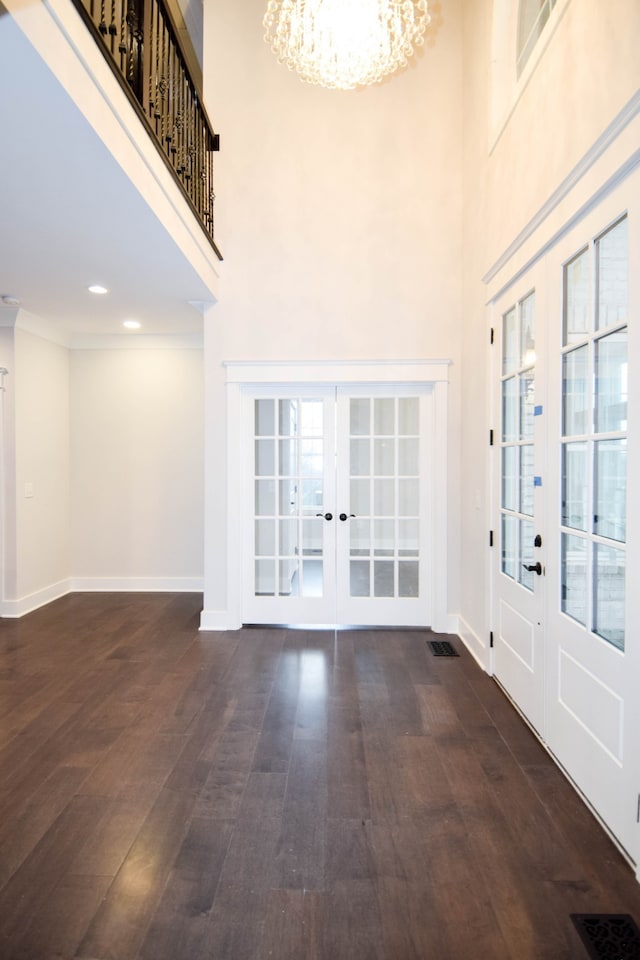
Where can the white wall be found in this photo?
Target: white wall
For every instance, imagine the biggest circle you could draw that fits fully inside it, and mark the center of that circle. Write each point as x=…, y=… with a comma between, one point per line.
x=339, y=215
x=36, y=470
x=137, y=468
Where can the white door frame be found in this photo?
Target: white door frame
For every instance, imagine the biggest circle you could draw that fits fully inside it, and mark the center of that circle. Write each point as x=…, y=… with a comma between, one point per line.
x=243, y=374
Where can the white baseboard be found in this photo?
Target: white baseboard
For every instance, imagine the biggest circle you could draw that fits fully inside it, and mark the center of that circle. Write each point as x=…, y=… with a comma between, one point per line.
x=220, y=620
x=137, y=584
x=12, y=609
x=479, y=649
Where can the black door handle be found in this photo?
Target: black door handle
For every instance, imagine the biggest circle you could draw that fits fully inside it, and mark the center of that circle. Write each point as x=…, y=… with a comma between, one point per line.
x=344, y=516
x=533, y=568
x=327, y=516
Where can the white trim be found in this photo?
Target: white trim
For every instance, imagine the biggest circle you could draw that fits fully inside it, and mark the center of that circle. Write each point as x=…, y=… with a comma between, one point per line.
x=242, y=374
x=479, y=649
x=136, y=341
x=137, y=584
x=331, y=372
x=13, y=609
x=609, y=172
x=219, y=620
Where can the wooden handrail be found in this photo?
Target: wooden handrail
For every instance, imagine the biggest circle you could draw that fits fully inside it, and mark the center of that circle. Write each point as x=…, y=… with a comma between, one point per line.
x=141, y=43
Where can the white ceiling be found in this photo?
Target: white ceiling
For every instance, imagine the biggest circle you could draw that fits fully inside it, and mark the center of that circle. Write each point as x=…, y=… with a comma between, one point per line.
x=70, y=217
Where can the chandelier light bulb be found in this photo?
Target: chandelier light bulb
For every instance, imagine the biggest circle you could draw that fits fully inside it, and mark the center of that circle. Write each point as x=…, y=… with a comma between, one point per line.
x=344, y=44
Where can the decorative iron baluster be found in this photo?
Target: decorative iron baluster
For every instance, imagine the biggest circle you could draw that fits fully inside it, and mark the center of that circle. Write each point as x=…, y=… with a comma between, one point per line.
x=141, y=43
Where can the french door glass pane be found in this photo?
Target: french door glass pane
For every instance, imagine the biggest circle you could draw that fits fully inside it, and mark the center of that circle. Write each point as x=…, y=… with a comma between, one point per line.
x=610, y=514
x=608, y=594
x=576, y=298
x=265, y=418
x=574, y=485
x=576, y=402
x=360, y=417
x=359, y=578
x=383, y=582
x=384, y=458
x=288, y=495
x=265, y=578
x=408, y=450
x=573, y=584
x=408, y=538
x=265, y=538
x=611, y=252
x=385, y=487
x=611, y=382
x=408, y=585
x=384, y=420
x=408, y=416
x=360, y=496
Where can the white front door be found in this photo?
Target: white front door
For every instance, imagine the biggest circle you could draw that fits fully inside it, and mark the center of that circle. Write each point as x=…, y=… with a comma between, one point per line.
x=337, y=494
x=565, y=603
x=519, y=568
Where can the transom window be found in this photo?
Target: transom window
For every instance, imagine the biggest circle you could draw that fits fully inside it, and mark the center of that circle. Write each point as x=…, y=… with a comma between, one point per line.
x=532, y=18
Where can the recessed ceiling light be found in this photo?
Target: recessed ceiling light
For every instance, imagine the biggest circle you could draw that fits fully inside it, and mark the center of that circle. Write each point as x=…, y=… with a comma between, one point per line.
x=131, y=324
x=96, y=288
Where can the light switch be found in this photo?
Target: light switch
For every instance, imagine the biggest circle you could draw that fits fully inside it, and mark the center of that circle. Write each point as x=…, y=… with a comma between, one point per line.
x=28, y=489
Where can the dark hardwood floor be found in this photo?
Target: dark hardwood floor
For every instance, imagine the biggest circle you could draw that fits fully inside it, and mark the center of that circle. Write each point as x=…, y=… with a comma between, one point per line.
x=172, y=795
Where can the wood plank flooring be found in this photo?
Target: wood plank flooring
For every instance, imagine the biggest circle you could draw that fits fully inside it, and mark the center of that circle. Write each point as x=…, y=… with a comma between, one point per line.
x=167, y=794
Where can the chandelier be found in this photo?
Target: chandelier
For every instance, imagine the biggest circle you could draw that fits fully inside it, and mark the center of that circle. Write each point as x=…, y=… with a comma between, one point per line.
x=344, y=44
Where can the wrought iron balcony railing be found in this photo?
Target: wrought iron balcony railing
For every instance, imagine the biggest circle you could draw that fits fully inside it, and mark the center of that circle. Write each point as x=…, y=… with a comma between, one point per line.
x=141, y=43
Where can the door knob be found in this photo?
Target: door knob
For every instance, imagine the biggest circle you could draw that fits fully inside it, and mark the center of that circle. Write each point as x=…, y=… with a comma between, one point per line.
x=345, y=516
x=533, y=568
x=327, y=516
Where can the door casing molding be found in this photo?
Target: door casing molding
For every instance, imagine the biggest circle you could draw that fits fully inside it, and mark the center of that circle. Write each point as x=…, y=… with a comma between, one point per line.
x=241, y=375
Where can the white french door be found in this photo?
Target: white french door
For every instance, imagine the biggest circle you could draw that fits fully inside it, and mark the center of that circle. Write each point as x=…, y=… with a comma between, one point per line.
x=565, y=598
x=336, y=505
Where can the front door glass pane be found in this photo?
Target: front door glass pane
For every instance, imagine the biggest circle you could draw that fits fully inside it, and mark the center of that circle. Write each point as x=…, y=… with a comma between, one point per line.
x=576, y=401
x=610, y=515
x=509, y=410
x=575, y=475
x=509, y=341
x=527, y=331
x=576, y=298
x=608, y=594
x=526, y=577
x=611, y=382
x=573, y=587
x=611, y=252
x=526, y=479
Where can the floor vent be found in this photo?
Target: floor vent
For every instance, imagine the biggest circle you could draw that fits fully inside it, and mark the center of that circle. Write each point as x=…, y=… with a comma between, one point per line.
x=608, y=935
x=442, y=648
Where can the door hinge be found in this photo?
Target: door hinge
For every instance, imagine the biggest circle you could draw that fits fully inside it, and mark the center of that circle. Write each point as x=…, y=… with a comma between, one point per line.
x=638, y=810
x=491, y=638
x=490, y=438
x=490, y=538
x=491, y=334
